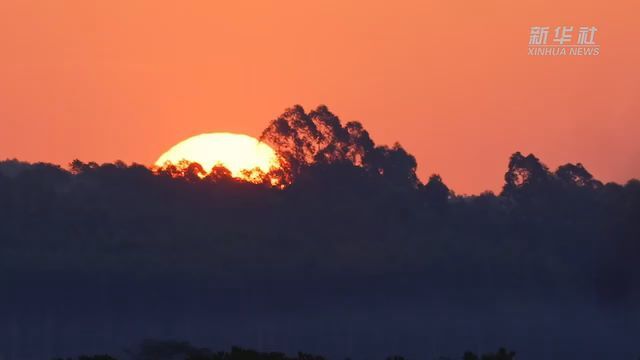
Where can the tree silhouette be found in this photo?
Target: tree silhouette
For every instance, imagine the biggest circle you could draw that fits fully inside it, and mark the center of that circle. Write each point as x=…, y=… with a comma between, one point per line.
x=526, y=175
x=436, y=192
x=304, y=140
x=576, y=175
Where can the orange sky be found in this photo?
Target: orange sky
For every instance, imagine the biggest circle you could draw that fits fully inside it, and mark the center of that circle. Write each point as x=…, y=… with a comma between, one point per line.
x=450, y=80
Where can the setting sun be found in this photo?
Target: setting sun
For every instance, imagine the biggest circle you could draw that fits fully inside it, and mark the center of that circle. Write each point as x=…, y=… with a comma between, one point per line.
x=236, y=152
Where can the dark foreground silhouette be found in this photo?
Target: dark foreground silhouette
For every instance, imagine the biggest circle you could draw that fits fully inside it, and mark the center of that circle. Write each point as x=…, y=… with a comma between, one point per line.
x=182, y=350
x=348, y=255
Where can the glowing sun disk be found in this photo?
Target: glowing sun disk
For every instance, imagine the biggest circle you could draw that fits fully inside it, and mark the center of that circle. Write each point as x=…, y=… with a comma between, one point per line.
x=236, y=152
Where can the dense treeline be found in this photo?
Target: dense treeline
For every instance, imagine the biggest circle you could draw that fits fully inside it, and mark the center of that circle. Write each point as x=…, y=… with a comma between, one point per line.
x=344, y=227
x=351, y=208
x=182, y=350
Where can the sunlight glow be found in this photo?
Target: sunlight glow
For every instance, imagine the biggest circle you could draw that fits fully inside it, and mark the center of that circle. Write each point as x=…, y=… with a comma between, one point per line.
x=236, y=152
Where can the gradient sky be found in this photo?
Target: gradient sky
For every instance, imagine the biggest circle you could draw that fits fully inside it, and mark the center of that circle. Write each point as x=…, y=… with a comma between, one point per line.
x=450, y=80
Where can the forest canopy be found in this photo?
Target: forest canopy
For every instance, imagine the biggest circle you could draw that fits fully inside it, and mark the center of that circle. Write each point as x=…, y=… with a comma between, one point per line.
x=351, y=208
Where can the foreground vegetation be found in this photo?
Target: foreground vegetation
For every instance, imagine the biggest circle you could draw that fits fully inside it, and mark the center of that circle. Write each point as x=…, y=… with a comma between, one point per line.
x=177, y=350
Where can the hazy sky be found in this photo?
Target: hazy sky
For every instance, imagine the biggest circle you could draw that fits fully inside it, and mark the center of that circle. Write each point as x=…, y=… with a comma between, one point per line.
x=450, y=80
